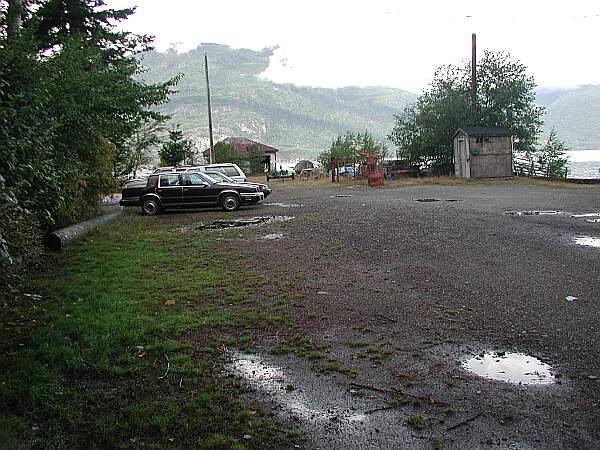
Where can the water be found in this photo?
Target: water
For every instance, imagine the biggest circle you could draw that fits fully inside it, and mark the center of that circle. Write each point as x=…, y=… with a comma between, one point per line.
x=427, y=200
x=284, y=205
x=588, y=241
x=533, y=213
x=234, y=223
x=584, y=163
x=272, y=380
x=273, y=236
x=510, y=367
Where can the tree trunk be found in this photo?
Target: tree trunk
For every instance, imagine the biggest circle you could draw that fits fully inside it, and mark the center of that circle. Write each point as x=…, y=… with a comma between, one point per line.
x=14, y=13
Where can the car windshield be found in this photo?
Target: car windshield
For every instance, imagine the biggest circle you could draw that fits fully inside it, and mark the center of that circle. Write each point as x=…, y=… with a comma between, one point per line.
x=208, y=178
x=220, y=177
x=230, y=171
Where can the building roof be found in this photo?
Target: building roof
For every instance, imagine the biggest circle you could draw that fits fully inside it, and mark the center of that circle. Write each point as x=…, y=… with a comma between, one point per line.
x=484, y=131
x=241, y=145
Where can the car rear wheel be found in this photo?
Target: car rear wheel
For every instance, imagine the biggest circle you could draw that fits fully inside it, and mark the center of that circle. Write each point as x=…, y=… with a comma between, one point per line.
x=230, y=202
x=150, y=207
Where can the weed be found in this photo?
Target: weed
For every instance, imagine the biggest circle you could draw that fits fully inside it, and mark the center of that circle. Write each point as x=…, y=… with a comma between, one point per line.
x=416, y=422
x=357, y=343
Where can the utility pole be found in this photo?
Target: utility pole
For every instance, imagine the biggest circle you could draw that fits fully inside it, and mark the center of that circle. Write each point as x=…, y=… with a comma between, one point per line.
x=474, y=73
x=210, y=131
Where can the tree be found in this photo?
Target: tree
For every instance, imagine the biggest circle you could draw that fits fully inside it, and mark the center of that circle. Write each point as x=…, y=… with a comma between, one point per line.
x=256, y=159
x=345, y=149
x=177, y=149
x=225, y=153
x=552, y=157
x=65, y=115
x=505, y=98
x=138, y=148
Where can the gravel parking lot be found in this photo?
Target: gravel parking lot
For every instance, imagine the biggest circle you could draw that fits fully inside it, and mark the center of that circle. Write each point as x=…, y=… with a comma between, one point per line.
x=402, y=292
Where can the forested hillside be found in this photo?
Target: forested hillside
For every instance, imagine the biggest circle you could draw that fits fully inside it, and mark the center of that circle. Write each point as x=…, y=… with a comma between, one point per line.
x=297, y=120
x=575, y=114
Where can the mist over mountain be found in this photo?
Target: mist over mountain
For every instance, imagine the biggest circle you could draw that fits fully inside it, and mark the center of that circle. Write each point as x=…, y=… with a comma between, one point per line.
x=301, y=121
x=574, y=113
x=298, y=120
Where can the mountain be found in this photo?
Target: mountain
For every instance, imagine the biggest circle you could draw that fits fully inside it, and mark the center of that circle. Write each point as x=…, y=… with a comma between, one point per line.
x=300, y=121
x=575, y=114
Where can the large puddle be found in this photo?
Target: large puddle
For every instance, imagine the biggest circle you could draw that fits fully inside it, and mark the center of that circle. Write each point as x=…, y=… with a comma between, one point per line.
x=284, y=205
x=281, y=388
x=586, y=215
x=534, y=213
x=427, y=200
x=510, y=367
x=588, y=241
x=233, y=223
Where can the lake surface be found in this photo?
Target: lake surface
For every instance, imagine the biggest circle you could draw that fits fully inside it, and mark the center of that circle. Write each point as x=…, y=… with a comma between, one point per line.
x=584, y=163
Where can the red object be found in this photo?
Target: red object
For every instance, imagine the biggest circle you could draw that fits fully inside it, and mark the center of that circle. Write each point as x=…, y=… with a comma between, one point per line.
x=374, y=168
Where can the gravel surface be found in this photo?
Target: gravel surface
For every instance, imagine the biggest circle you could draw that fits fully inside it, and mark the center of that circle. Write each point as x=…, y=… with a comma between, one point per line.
x=437, y=282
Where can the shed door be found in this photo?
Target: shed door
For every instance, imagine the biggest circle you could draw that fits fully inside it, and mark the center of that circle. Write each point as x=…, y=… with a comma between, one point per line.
x=463, y=158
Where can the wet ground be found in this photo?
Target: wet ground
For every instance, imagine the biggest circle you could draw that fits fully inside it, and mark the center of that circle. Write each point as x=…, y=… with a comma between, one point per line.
x=402, y=293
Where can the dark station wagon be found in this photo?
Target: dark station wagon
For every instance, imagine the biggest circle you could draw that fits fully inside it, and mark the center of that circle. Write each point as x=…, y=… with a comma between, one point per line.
x=187, y=190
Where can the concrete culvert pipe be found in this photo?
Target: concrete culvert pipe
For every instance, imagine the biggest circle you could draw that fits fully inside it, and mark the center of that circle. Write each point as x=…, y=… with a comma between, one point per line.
x=59, y=238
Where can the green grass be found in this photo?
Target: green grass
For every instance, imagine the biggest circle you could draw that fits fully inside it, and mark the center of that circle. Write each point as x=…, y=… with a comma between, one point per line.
x=91, y=371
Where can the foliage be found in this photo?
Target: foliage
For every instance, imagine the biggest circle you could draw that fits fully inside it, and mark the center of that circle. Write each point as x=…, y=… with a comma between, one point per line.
x=505, y=98
x=345, y=149
x=177, y=149
x=67, y=116
x=552, y=157
x=137, y=150
x=225, y=153
x=84, y=366
x=255, y=160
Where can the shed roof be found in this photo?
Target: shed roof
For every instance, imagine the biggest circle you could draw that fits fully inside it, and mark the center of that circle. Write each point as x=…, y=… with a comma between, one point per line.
x=241, y=145
x=484, y=131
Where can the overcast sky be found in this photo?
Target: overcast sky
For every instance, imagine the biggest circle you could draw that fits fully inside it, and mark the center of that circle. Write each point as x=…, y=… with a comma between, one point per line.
x=334, y=43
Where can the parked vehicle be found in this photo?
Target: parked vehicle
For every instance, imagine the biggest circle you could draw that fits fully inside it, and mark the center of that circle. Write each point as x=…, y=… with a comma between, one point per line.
x=280, y=175
x=224, y=178
x=188, y=190
x=233, y=171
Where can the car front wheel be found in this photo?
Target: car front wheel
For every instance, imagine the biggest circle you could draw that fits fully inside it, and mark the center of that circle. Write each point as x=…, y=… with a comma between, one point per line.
x=230, y=202
x=150, y=207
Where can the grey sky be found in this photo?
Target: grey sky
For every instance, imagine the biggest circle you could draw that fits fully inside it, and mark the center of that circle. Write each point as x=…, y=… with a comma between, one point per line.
x=381, y=42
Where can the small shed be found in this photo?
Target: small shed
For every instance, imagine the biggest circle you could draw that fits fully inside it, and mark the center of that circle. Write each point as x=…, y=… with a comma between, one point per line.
x=483, y=152
x=302, y=165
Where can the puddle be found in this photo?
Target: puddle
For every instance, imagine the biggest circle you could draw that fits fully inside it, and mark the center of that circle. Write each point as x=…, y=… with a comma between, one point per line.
x=233, y=223
x=588, y=241
x=510, y=367
x=453, y=200
x=533, y=213
x=340, y=196
x=427, y=200
x=580, y=216
x=284, y=205
x=273, y=380
x=273, y=236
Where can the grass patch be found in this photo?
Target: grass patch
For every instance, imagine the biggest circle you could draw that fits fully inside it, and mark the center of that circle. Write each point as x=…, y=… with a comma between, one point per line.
x=357, y=343
x=416, y=422
x=333, y=365
x=100, y=361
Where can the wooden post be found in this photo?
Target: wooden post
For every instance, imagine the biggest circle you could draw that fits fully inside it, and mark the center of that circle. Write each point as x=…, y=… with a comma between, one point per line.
x=332, y=170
